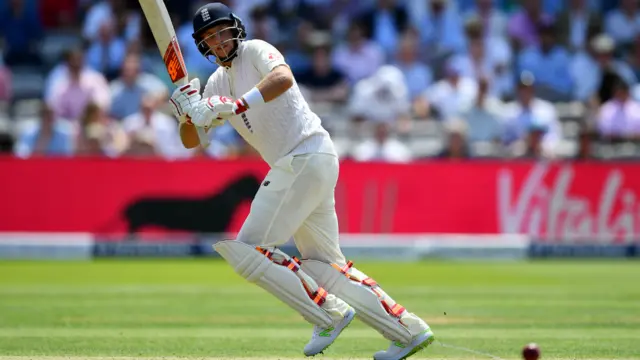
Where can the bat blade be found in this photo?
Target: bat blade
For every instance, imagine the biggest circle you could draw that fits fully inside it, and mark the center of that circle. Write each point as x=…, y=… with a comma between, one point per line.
x=174, y=63
x=164, y=35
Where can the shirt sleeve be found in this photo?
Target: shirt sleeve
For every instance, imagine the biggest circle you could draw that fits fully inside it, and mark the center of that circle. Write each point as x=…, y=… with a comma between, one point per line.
x=264, y=56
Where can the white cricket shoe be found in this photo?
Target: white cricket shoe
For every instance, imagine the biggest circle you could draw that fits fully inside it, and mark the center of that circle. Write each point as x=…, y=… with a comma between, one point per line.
x=400, y=351
x=322, y=338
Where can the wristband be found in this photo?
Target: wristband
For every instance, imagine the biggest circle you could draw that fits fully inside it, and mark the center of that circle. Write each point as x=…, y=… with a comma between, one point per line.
x=253, y=98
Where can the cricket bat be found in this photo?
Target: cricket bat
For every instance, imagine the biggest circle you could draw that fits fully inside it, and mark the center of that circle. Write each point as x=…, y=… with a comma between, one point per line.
x=164, y=34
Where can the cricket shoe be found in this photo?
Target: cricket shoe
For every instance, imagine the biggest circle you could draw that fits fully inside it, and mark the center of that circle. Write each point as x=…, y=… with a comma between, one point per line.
x=322, y=338
x=400, y=351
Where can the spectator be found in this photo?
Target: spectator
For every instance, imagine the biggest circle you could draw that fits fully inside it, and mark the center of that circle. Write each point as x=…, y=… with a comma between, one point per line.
x=619, y=118
x=492, y=18
x=21, y=30
x=226, y=143
x=383, y=97
x=289, y=14
x=263, y=26
x=382, y=147
x=385, y=23
x=100, y=135
x=52, y=136
x=297, y=51
x=591, y=71
x=150, y=127
x=622, y=23
x=116, y=13
x=127, y=91
x=107, y=52
x=417, y=75
x=242, y=9
x=91, y=143
x=586, y=138
x=532, y=147
x=74, y=86
x=633, y=57
x=486, y=57
x=324, y=13
x=358, y=58
x=449, y=97
x=441, y=29
x=575, y=23
x=340, y=15
x=549, y=63
x=322, y=80
x=529, y=112
x=61, y=70
x=5, y=83
x=142, y=144
x=484, y=119
x=457, y=147
x=523, y=25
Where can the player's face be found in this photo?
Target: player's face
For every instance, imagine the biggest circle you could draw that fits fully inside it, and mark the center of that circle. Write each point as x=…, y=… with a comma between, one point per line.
x=220, y=40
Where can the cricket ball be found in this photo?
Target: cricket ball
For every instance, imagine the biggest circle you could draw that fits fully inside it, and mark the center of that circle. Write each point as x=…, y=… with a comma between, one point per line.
x=531, y=352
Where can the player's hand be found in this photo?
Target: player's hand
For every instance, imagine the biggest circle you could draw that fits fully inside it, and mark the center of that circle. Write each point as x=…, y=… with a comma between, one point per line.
x=238, y=108
x=212, y=112
x=226, y=107
x=185, y=98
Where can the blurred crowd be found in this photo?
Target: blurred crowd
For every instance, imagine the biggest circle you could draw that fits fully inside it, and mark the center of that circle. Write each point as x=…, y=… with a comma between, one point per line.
x=393, y=80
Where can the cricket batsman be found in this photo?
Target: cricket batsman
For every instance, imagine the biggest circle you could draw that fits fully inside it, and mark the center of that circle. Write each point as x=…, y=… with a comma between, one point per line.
x=255, y=91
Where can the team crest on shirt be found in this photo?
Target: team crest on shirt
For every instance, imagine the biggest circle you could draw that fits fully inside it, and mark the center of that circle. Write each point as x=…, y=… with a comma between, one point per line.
x=273, y=56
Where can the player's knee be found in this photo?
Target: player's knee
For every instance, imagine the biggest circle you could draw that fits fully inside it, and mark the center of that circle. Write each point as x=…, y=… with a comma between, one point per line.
x=260, y=237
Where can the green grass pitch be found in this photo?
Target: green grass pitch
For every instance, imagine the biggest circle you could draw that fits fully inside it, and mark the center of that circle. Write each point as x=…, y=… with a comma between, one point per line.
x=138, y=309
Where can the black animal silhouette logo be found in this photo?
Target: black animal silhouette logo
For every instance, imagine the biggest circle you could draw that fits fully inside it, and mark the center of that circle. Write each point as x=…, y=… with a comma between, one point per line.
x=212, y=214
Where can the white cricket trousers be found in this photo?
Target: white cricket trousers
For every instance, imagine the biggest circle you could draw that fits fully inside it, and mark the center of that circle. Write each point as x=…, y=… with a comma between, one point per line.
x=296, y=199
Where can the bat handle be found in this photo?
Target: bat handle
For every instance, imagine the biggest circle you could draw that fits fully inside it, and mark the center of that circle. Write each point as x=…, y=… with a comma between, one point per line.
x=202, y=134
x=204, y=138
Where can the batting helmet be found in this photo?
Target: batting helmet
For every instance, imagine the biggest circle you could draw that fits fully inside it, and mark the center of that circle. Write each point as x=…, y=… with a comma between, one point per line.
x=211, y=15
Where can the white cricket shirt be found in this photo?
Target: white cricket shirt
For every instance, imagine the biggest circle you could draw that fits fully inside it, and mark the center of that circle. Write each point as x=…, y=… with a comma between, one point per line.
x=284, y=126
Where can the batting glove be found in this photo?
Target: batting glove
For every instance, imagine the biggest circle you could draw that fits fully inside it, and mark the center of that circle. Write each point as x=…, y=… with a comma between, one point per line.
x=212, y=112
x=185, y=98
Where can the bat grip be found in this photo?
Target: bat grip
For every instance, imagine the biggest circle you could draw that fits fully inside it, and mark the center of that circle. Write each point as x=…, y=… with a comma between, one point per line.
x=202, y=134
x=204, y=138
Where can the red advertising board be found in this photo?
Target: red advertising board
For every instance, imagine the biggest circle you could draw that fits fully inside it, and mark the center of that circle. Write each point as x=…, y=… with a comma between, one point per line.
x=551, y=200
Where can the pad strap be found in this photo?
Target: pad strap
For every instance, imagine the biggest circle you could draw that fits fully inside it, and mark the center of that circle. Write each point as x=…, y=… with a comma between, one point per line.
x=390, y=306
x=315, y=292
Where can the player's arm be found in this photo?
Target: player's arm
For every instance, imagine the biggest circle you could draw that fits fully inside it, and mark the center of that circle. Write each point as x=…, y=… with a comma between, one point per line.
x=277, y=78
x=183, y=100
x=189, y=135
x=276, y=83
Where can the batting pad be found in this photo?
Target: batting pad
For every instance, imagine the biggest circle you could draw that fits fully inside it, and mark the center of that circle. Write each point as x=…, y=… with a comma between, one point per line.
x=279, y=280
x=369, y=302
